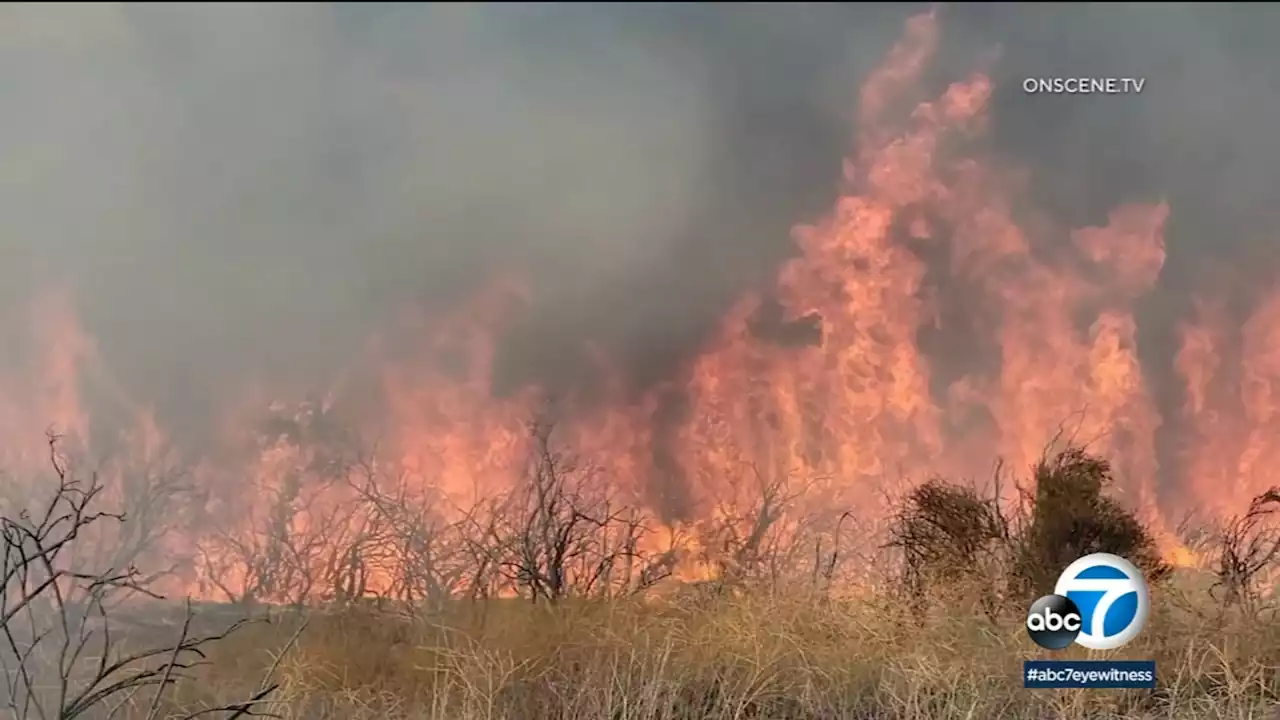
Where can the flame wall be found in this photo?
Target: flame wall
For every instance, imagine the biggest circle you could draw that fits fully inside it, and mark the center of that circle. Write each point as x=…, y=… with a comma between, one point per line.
x=842, y=374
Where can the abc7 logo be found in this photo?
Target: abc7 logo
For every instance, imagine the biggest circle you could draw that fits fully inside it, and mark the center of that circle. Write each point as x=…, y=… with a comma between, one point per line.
x=1114, y=599
x=1054, y=622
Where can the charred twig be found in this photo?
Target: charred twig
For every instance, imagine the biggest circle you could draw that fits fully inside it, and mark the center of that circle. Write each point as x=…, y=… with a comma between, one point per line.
x=1248, y=545
x=46, y=608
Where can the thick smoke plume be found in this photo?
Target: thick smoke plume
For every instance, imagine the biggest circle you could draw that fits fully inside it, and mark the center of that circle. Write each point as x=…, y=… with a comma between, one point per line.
x=230, y=192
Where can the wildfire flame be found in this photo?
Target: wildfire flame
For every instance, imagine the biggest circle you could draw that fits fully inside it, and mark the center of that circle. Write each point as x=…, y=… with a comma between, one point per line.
x=839, y=391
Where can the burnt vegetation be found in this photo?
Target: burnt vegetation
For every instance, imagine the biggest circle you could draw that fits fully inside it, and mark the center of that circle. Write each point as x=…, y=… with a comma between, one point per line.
x=60, y=651
x=948, y=533
x=560, y=597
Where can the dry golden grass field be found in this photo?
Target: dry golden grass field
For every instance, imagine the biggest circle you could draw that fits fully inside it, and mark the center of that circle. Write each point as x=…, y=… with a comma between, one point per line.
x=787, y=658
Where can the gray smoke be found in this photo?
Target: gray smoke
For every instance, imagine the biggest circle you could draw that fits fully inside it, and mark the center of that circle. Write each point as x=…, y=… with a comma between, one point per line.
x=248, y=190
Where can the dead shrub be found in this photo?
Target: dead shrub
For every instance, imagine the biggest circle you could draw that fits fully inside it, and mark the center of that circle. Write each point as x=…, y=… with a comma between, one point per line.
x=1071, y=516
x=949, y=534
x=1248, y=547
x=942, y=530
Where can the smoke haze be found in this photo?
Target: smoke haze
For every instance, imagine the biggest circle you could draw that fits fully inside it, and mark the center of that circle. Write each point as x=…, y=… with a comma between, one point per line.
x=248, y=191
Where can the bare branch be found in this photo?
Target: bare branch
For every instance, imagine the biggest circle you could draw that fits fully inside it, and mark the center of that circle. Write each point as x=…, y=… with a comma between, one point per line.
x=51, y=613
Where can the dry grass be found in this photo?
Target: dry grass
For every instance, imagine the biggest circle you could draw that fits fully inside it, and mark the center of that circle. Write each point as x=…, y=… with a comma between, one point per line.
x=743, y=657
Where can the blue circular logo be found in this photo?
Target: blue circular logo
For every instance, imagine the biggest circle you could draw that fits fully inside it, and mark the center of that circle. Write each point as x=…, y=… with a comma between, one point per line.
x=1112, y=599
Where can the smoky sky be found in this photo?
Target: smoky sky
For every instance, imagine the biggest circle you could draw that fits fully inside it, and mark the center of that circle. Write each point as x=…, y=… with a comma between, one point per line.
x=239, y=190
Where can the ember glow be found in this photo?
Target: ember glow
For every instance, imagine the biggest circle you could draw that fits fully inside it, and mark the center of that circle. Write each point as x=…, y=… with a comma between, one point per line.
x=839, y=395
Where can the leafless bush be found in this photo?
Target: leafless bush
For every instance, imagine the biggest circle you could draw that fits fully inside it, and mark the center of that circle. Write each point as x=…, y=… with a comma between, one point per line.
x=141, y=476
x=303, y=537
x=943, y=532
x=758, y=536
x=1247, y=548
x=563, y=532
x=422, y=552
x=1072, y=516
x=58, y=652
x=153, y=493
